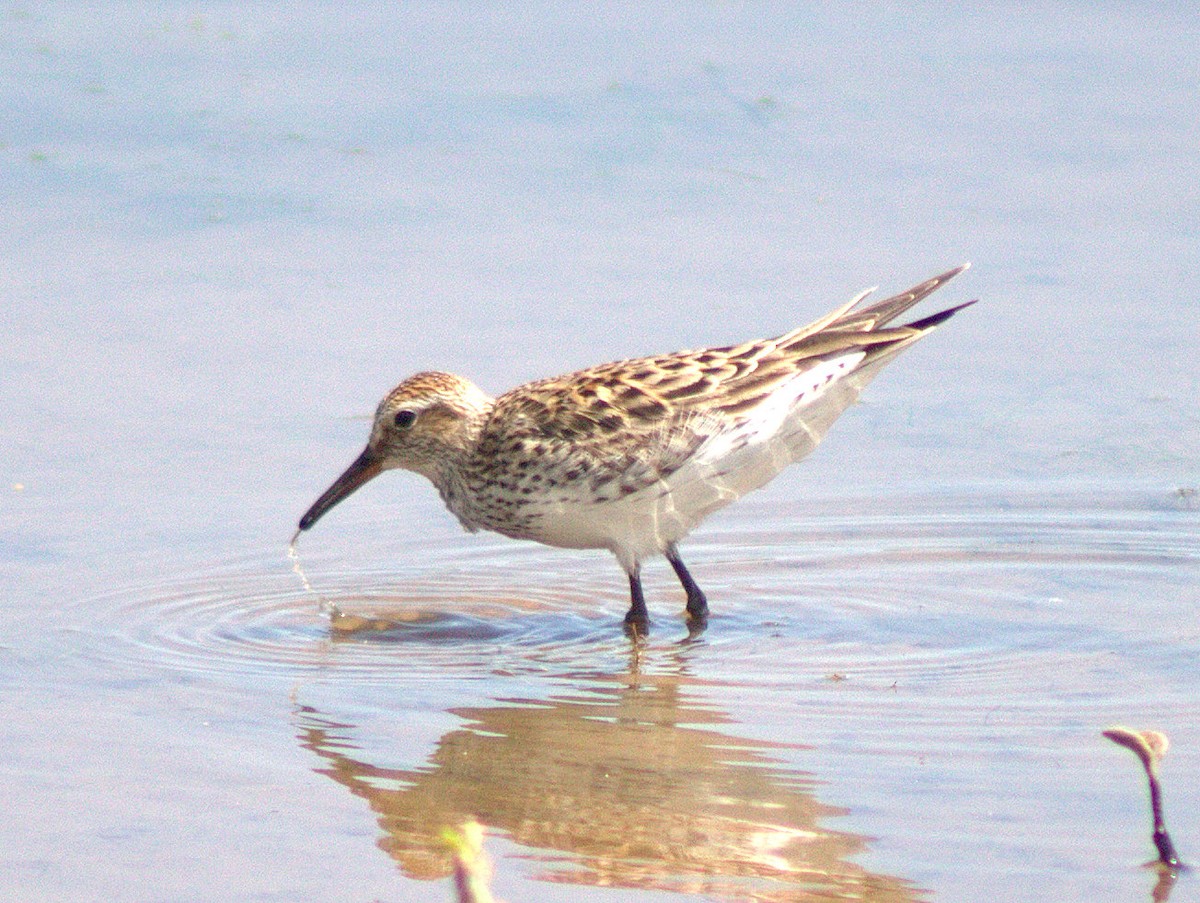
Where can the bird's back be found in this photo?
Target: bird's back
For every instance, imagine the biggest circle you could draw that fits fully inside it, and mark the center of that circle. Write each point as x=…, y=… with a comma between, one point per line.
x=632, y=455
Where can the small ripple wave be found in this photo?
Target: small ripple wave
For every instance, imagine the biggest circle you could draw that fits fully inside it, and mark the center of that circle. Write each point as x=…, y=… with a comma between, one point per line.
x=961, y=592
x=249, y=618
x=969, y=598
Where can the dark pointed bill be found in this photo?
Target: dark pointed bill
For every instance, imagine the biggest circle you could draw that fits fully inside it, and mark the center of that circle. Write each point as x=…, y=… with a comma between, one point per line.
x=365, y=467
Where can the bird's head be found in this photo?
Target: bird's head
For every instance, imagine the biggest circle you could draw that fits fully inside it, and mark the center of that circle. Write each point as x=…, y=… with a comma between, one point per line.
x=426, y=424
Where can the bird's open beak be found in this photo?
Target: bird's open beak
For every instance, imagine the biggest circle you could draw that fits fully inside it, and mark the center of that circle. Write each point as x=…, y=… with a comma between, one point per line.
x=365, y=468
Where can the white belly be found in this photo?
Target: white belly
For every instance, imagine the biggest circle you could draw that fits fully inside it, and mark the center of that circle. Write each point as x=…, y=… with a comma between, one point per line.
x=732, y=462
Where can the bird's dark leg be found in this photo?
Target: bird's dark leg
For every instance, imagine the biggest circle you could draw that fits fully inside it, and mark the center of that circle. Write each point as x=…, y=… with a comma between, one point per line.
x=637, y=619
x=697, y=604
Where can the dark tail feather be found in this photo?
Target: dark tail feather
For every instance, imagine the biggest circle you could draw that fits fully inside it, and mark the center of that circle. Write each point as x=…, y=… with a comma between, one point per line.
x=938, y=318
x=883, y=312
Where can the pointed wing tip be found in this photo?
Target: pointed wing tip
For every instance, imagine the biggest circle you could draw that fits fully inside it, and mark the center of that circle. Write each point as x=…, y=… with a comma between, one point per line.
x=927, y=323
x=862, y=296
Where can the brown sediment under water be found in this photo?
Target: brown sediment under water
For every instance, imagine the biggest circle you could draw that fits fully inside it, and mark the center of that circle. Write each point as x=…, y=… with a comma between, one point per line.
x=229, y=231
x=893, y=696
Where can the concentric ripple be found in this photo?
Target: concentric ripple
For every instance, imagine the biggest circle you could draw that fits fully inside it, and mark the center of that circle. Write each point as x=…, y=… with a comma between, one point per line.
x=264, y=623
x=955, y=593
x=971, y=599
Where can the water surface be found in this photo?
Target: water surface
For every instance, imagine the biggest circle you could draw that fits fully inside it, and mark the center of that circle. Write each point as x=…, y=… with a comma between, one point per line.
x=229, y=231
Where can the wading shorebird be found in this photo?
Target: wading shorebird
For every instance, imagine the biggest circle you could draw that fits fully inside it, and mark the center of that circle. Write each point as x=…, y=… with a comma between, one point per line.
x=631, y=456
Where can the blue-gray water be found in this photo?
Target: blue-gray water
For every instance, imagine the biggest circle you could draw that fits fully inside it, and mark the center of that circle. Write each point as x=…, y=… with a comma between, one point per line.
x=228, y=229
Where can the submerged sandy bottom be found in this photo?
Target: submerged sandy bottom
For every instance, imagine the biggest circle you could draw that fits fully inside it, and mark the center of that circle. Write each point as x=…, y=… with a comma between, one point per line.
x=898, y=705
x=228, y=231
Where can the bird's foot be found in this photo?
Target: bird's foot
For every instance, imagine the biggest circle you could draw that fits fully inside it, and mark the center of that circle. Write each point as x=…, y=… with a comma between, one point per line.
x=637, y=625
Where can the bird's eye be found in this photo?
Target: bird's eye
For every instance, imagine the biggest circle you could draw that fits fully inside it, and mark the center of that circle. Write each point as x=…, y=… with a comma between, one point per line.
x=405, y=418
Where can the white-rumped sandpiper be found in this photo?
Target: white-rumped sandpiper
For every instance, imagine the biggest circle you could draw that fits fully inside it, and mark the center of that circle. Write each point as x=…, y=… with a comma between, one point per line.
x=631, y=456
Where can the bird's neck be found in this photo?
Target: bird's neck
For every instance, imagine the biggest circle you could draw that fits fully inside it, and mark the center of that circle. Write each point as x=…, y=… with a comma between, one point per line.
x=447, y=470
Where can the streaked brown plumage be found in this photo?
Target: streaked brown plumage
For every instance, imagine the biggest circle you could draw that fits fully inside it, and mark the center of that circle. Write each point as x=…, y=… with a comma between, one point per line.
x=630, y=456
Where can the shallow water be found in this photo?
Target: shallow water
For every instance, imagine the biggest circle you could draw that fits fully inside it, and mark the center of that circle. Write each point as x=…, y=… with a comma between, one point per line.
x=229, y=234
x=891, y=706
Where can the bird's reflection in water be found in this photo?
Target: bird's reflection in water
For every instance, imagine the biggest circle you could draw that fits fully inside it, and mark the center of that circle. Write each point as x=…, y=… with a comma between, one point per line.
x=622, y=781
